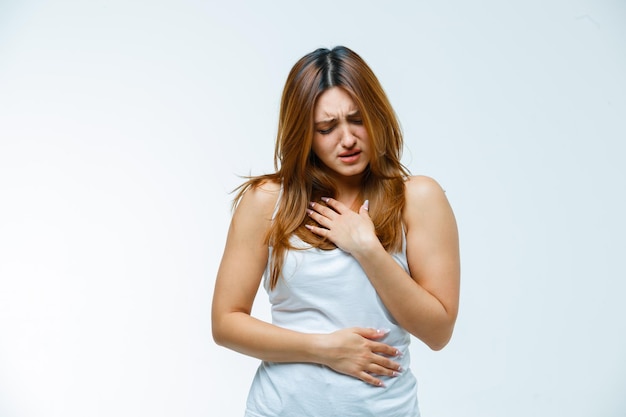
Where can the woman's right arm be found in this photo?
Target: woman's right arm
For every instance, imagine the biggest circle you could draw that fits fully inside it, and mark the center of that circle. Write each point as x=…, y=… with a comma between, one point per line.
x=353, y=352
x=238, y=278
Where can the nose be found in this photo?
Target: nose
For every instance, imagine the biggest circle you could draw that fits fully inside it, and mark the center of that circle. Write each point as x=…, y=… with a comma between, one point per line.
x=348, y=140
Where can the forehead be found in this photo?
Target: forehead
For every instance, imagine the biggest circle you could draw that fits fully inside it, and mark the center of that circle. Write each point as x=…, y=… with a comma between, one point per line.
x=334, y=102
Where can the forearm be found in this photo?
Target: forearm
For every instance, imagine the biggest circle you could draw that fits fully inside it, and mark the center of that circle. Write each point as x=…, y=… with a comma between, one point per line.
x=253, y=337
x=417, y=310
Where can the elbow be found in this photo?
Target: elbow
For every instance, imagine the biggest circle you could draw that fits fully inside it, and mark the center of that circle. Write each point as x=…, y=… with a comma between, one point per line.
x=218, y=333
x=223, y=328
x=440, y=338
x=438, y=344
x=217, y=336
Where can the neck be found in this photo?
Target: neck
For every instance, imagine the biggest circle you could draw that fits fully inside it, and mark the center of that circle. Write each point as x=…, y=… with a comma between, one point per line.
x=352, y=197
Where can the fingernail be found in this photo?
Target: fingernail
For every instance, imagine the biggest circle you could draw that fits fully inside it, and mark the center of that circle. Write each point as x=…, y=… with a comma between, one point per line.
x=309, y=212
x=366, y=205
x=325, y=199
x=395, y=373
x=398, y=353
x=382, y=331
x=380, y=384
x=311, y=204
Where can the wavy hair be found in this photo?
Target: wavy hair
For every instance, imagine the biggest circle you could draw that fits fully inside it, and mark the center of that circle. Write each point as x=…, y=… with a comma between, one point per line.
x=301, y=174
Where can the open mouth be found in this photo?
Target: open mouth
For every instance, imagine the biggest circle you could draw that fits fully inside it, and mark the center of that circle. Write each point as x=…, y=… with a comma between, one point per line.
x=350, y=157
x=350, y=154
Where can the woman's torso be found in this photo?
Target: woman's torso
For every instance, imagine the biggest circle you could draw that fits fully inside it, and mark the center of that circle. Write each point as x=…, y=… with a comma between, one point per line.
x=320, y=292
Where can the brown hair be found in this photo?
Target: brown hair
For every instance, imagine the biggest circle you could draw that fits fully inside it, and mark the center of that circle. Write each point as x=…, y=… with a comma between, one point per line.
x=298, y=169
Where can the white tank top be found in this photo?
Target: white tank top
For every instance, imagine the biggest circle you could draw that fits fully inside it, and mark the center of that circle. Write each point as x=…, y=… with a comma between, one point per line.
x=320, y=292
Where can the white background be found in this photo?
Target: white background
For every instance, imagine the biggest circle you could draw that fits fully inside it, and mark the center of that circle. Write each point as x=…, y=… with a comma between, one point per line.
x=124, y=126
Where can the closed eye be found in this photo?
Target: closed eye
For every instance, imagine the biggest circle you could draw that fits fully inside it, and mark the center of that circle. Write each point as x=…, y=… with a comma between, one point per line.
x=326, y=131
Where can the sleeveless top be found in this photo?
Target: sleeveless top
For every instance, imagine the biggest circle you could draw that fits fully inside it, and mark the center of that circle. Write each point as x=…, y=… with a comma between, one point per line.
x=321, y=291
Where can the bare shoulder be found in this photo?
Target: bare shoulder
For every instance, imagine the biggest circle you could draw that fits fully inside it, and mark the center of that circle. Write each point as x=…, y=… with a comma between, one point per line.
x=424, y=198
x=421, y=189
x=259, y=200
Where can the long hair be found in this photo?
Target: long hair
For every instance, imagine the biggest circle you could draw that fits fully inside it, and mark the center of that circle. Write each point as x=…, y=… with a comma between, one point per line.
x=303, y=177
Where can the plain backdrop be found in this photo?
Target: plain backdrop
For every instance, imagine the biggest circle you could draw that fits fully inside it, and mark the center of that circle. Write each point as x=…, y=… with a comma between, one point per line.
x=124, y=126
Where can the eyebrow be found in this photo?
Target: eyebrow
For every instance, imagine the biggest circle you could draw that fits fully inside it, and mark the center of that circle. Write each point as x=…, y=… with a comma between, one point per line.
x=334, y=119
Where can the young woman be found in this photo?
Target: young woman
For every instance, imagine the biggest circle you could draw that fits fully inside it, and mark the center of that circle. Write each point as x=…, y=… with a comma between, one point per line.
x=355, y=254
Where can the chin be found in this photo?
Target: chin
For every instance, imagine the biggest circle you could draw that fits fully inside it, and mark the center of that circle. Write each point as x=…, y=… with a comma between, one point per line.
x=351, y=173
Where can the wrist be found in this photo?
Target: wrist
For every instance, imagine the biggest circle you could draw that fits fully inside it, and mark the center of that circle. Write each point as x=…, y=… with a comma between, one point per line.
x=368, y=248
x=316, y=347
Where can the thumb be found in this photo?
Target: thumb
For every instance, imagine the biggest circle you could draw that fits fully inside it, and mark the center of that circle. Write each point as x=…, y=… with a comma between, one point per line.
x=370, y=333
x=365, y=207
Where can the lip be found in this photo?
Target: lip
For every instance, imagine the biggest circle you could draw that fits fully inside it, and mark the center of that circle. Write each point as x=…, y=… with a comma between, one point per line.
x=350, y=156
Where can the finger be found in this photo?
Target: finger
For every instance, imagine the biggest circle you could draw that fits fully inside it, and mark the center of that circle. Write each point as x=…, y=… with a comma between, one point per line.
x=385, y=366
x=371, y=379
x=314, y=215
x=385, y=349
x=364, y=210
x=376, y=369
x=338, y=206
x=320, y=219
x=377, y=347
x=317, y=230
x=322, y=209
x=370, y=333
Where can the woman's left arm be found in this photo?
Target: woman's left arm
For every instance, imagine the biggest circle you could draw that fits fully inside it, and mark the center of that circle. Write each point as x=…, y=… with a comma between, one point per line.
x=424, y=302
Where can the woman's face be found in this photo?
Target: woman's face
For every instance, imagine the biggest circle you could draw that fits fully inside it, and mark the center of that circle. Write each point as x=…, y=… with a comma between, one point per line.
x=340, y=140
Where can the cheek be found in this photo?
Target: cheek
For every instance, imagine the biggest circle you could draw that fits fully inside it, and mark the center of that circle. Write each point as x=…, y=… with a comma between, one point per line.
x=320, y=146
x=362, y=133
